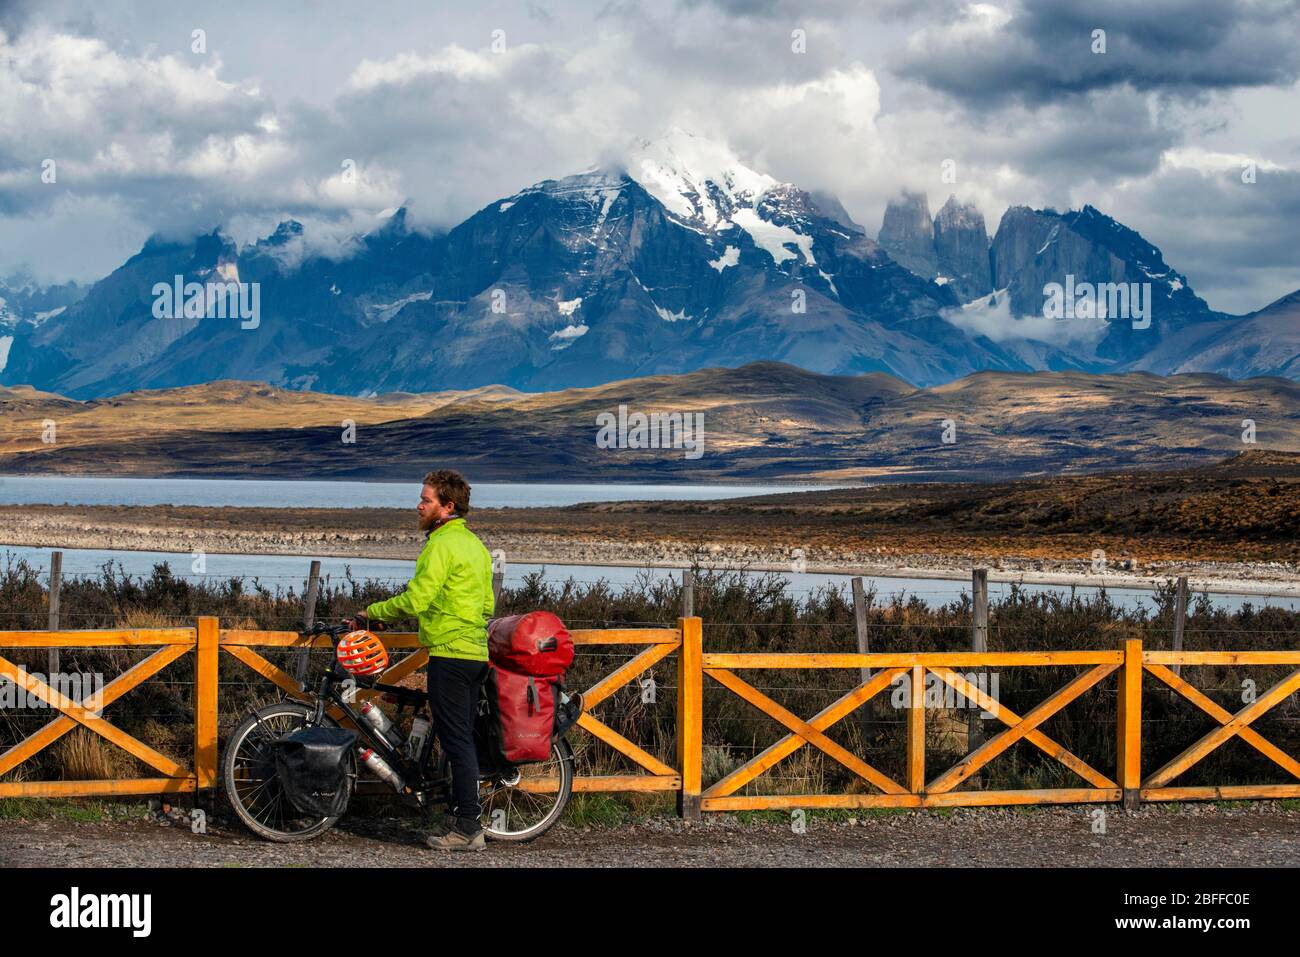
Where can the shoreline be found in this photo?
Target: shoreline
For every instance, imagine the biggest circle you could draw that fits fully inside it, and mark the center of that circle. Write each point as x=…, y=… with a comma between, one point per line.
x=522, y=538
x=1282, y=588
x=792, y=484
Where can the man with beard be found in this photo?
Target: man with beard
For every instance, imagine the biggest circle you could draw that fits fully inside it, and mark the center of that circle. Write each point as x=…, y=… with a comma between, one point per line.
x=450, y=595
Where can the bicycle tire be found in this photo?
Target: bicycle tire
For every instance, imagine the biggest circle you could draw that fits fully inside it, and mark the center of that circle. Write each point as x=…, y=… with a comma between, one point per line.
x=562, y=755
x=297, y=715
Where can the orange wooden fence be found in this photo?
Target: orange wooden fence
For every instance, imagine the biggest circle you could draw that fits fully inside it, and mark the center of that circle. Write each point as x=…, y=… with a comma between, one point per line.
x=918, y=788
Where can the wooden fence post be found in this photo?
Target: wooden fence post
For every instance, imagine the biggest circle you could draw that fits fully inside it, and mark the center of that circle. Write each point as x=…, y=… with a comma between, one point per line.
x=56, y=582
x=498, y=579
x=308, y=619
x=206, y=648
x=1129, y=730
x=860, y=623
x=864, y=642
x=690, y=719
x=916, y=731
x=1180, y=619
x=979, y=637
x=688, y=593
x=979, y=643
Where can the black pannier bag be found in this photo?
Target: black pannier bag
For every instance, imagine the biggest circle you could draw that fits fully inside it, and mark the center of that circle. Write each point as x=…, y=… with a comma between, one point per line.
x=314, y=766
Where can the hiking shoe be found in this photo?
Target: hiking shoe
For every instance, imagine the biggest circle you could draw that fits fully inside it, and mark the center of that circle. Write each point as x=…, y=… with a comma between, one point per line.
x=438, y=828
x=454, y=840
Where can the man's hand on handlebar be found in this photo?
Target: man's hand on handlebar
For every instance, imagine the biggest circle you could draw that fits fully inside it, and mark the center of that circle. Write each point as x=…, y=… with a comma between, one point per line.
x=361, y=622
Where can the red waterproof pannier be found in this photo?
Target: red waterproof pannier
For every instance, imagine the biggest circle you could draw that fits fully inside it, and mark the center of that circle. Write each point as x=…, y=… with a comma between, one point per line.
x=529, y=655
x=526, y=712
x=534, y=644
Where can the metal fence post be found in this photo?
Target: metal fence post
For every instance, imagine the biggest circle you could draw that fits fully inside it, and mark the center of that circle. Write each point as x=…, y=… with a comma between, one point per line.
x=206, y=647
x=690, y=721
x=56, y=583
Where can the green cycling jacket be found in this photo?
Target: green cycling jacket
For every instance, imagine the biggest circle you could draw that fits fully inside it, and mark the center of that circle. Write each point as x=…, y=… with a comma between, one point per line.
x=450, y=594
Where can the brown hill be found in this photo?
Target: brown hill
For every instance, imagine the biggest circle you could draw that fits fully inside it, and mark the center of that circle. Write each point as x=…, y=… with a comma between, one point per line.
x=765, y=421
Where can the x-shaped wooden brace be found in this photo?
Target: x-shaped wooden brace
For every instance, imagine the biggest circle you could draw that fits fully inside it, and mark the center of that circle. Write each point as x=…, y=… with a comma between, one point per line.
x=1230, y=725
x=605, y=687
x=1018, y=728
x=804, y=732
x=75, y=713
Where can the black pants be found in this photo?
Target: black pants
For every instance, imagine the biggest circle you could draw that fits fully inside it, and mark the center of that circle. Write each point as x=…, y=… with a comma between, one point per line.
x=454, y=687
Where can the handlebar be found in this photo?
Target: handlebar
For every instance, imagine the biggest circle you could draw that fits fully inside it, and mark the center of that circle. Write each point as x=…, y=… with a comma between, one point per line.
x=342, y=628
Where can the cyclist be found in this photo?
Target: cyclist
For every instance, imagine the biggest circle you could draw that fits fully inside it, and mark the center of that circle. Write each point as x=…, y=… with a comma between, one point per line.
x=450, y=595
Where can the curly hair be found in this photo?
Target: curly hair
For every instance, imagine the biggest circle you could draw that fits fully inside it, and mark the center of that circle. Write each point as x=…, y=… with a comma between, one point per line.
x=450, y=487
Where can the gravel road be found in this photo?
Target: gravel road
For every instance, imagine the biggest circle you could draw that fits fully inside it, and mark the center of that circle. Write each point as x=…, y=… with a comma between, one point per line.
x=1263, y=834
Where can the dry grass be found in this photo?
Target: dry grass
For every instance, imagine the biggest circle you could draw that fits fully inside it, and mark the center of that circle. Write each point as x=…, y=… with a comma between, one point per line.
x=145, y=618
x=214, y=407
x=82, y=755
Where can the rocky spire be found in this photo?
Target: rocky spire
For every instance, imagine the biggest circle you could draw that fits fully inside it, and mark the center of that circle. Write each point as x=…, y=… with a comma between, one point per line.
x=961, y=246
x=907, y=234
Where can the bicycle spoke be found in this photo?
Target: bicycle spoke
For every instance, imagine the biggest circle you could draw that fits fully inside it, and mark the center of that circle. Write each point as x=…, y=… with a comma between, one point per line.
x=524, y=810
x=254, y=782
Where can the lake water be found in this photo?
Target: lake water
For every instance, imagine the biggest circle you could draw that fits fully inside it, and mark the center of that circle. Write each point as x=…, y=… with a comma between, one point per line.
x=287, y=570
x=291, y=570
x=258, y=493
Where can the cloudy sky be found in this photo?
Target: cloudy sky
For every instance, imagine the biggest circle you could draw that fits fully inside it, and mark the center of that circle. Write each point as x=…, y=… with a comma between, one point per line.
x=153, y=127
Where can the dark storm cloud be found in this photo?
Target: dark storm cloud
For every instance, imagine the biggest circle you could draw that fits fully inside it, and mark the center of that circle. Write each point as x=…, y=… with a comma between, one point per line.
x=14, y=15
x=1101, y=136
x=838, y=10
x=1042, y=52
x=1234, y=240
x=712, y=43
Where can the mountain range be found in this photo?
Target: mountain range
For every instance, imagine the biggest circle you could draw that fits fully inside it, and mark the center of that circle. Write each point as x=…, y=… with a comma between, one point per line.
x=678, y=258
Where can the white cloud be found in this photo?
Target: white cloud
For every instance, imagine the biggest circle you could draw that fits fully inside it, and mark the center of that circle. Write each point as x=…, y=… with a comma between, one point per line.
x=849, y=97
x=1208, y=161
x=978, y=24
x=453, y=61
x=108, y=113
x=991, y=316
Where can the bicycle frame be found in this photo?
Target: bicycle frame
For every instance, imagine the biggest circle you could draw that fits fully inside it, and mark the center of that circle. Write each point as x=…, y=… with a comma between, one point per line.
x=426, y=782
x=419, y=785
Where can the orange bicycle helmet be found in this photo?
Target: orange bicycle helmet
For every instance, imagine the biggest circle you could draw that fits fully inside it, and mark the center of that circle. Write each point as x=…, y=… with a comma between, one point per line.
x=361, y=653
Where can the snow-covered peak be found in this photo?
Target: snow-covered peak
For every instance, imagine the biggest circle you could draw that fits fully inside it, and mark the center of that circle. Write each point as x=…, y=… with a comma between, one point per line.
x=592, y=182
x=696, y=178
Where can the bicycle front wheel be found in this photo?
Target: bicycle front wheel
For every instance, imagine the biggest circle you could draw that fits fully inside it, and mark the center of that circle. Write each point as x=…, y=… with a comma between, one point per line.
x=251, y=785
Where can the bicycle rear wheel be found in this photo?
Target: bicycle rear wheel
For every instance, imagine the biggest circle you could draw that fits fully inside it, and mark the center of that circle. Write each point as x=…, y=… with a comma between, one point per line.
x=248, y=775
x=522, y=805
